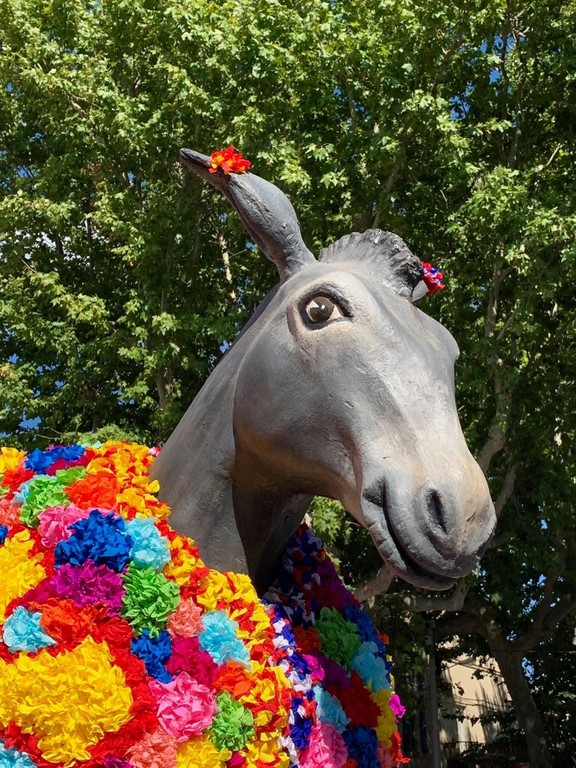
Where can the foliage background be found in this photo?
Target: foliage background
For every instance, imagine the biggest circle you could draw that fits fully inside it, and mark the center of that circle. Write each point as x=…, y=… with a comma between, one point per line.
x=450, y=123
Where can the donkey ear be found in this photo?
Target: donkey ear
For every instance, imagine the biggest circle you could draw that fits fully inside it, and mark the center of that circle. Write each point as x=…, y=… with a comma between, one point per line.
x=386, y=256
x=266, y=213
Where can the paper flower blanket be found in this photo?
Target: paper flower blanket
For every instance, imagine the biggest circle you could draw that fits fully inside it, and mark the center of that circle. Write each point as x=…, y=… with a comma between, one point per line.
x=119, y=648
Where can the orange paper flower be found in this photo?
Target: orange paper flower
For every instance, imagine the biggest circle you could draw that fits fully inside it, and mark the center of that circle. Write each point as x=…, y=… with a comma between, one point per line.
x=229, y=161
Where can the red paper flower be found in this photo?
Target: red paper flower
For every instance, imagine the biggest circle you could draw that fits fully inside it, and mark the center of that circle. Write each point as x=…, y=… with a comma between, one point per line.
x=433, y=278
x=229, y=161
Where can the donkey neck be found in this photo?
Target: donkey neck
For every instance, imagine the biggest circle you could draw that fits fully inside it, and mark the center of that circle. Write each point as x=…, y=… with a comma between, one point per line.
x=195, y=467
x=237, y=526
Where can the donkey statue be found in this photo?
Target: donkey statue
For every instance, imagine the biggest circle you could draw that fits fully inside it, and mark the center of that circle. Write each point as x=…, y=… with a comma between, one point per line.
x=126, y=644
x=339, y=386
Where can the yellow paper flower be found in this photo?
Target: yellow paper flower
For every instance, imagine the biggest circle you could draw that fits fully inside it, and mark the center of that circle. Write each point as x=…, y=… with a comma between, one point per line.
x=265, y=690
x=265, y=748
x=387, y=721
x=10, y=458
x=201, y=753
x=261, y=624
x=183, y=563
x=216, y=587
x=129, y=464
x=20, y=572
x=68, y=701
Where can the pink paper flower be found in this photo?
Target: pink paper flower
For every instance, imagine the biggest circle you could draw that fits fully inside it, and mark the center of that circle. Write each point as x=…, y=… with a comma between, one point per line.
x=385, y=757
x=186, y=619
x=327, y=748
x=396, y=705
x=187, y=656
x=154, y=750
x=54, y=523
x=185, y=707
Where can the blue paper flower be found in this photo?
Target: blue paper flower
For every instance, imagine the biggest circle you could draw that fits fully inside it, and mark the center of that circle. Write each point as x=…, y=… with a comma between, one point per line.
x=300, y=725
x=330, y=710
x=366, y=628
x=12, y=758
x=219, y=638
x=154, y=651
x=99, y=537
x=22, y=632
x=3, y=534
x=41, y=461
x=149, y=548
x=22, y=493
x=371, y=667
x=362, y=743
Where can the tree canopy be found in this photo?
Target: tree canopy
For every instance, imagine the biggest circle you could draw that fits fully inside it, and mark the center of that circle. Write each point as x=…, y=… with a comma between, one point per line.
x=450, y=123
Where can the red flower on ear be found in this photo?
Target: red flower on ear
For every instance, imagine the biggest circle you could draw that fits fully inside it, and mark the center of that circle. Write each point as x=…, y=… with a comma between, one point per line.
x=433, y=278
x=229, y=161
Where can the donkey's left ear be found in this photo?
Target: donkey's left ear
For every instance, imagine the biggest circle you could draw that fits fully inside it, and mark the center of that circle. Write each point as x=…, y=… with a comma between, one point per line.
x=266, y=212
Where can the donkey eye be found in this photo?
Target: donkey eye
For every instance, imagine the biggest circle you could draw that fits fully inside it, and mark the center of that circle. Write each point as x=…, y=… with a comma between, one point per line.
x=320, y=309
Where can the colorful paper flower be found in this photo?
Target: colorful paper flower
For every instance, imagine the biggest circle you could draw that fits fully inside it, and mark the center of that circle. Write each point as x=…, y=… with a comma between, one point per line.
x=229, y=161
x=101, y=538
x=55, y=523
x=12, y=758
x=338, y=638
x=148, y=547
x=154, y=652
x=89, y=584
x=330, y=710
x=154, y=750
x=219, y=638
x=120, y=648
x=187, y=656
x=327, y=748
x=22, y=632
x=233, y=725
x=185, y=707
x=149, y=599
x=433, y=278
x=186, y=619
x=371, y=667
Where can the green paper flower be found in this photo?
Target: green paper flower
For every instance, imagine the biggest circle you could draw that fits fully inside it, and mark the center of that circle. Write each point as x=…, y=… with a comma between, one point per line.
x=150, y=598
x=233, y=725
x=43, y=491
x=339, y=638
x=68, y=476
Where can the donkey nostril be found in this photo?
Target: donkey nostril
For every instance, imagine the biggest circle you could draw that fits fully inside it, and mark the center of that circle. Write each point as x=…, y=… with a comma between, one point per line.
x=436, y=511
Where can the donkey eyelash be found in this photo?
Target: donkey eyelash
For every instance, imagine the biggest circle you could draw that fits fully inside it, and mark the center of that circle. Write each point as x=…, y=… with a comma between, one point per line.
x=333, y=295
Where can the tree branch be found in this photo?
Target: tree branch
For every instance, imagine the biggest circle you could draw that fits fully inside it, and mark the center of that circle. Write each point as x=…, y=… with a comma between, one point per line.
x=547, y=625
x=464, y=624
x=377, y=585
x=545, y=614
x=420, y=603
x=498, y=429
x=495, y=442
x=392, y=176
x=226, y=261
x=507, y=489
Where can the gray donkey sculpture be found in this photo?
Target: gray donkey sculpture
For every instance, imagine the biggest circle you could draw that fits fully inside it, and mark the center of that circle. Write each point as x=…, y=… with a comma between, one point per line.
x=339, y=386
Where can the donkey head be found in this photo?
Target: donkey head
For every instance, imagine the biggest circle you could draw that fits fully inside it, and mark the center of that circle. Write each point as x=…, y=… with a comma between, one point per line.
x=346, y=390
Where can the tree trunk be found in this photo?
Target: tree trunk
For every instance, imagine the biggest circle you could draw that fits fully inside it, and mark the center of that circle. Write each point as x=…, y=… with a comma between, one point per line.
x=529, y=720
x=509, y=658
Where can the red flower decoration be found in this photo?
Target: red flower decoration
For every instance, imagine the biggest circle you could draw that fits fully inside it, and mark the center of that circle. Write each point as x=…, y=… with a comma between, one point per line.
x=229, y=161
x=433, y=278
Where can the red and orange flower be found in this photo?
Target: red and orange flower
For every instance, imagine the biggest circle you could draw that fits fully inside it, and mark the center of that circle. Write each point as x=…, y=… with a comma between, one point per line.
x=228, y=161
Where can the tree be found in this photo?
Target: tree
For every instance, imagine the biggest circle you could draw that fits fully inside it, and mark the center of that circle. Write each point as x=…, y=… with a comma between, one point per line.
x=449, y=123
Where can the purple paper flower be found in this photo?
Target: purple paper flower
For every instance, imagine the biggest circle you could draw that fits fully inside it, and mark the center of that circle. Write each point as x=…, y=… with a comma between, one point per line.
x=89, y=584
